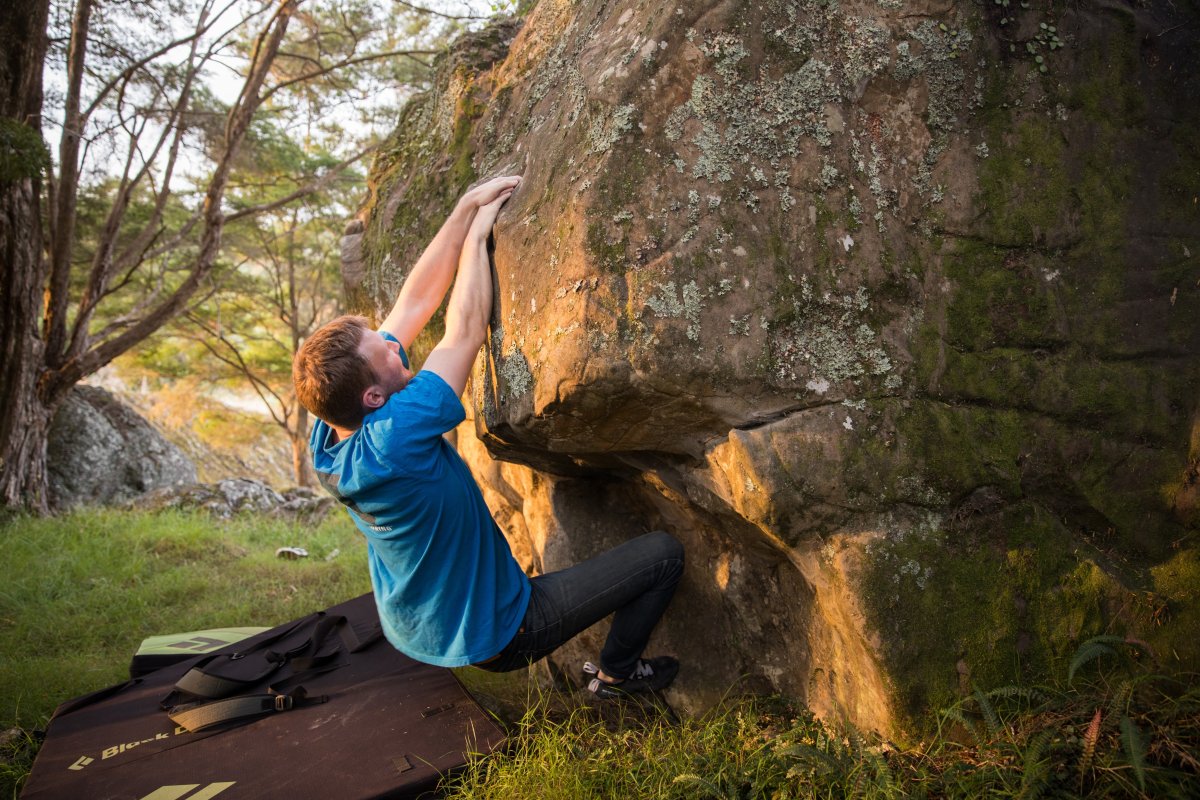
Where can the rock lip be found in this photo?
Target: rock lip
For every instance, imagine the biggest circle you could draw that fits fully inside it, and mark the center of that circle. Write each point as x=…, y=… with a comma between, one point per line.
x=887, y=310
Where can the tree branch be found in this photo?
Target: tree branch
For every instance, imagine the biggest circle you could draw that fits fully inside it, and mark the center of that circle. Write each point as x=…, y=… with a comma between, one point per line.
x=126, y=74
x=303, y=191
x=104, y=264
x=135, y=253
x=67, y=190
x=348, y=62
x=240, y=116
x=431, y=12
x=235, y=360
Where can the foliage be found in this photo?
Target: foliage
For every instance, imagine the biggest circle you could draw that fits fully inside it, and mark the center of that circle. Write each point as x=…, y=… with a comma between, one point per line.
x=82, y=590
x=23, y=153
x=279, y=284
x=1121, y=731
x=1116, y=728
x=174, y=123
x=278, y=280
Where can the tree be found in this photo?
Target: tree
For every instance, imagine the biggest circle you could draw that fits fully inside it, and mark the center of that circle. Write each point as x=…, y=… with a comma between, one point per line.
x=275, y=309
x=133, y=88
x=283, y=288
x=22, y=162
x=281, y=279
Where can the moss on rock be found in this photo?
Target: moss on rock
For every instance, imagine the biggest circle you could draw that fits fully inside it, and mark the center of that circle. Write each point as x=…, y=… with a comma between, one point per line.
x=1006, y=599
x=823, y=272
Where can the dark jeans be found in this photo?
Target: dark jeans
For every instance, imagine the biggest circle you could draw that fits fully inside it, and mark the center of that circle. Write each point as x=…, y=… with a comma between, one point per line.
x=635, y=579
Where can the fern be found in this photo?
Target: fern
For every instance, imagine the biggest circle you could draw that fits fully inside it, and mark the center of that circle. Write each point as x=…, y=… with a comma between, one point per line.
x=1026, y=693
x=858, y=745
x=1090, y=737
x=697, y=782
x=989, y=713
x=886, y=780
x=860, y=782
x=956, y=715
x=1033, y=780
x=882, y=777
x=1135, y=750
x=812, y=756
x=1091, y=650
x=1119, y=703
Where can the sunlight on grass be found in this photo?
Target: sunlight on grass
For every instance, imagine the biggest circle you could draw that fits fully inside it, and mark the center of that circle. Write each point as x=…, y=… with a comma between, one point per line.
x=1105, y=739
x=82, y=590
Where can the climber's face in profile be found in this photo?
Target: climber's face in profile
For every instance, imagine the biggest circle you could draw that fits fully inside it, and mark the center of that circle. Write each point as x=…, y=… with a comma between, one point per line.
x=383, y=356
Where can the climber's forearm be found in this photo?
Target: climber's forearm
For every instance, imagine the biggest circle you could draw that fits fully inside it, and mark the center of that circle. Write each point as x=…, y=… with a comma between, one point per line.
x=467, y=316
x=430, y=278
x=426, y=285
x=470, y=305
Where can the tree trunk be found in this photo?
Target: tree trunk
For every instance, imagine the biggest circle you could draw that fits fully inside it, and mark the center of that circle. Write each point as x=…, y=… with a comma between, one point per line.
x=301, y=460
x=26, y=414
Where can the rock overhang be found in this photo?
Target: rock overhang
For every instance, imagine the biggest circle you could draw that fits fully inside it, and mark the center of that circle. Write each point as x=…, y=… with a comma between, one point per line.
x=840, y=279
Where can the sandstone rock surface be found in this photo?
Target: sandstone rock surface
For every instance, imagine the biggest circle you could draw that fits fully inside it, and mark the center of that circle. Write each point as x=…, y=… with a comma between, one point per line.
x=889, y=309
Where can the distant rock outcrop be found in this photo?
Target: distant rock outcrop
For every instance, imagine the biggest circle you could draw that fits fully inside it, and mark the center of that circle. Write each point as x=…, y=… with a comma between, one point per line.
x=889, y=310
x=231, y=496
x=101, y=451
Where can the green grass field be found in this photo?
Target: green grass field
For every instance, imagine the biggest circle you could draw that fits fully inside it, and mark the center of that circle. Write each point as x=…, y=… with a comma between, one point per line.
x=82, y=590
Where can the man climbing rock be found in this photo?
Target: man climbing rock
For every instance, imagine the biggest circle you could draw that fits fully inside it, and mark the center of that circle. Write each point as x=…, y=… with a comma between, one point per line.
x=448, y=589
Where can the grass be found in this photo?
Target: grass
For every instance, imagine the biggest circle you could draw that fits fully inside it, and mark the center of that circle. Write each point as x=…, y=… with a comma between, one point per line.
x=1121, y=732
x=82, y=590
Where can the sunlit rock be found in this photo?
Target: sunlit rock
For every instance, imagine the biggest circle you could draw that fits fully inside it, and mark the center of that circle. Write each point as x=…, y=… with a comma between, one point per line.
x=889, y=310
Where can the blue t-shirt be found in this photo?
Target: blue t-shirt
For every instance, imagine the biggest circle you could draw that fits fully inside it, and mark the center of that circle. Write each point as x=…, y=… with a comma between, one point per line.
x=449, y=591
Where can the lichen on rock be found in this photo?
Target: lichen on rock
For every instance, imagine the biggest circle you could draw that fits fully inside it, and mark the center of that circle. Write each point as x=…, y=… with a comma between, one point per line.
x=885, y=322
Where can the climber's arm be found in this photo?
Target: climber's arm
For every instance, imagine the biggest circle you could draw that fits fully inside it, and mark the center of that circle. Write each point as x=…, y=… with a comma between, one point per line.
x=470, y=305
x=426, y=284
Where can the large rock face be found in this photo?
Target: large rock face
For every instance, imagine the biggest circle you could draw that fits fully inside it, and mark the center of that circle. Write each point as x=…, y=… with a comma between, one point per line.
x=888, y=309
x=102, y=451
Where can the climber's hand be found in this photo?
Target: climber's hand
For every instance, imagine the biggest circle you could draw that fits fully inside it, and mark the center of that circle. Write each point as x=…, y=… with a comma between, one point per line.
x=485, y=218
x=488, y=191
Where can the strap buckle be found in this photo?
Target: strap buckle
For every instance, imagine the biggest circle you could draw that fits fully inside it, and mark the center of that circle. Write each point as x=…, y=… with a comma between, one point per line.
x=283, y=702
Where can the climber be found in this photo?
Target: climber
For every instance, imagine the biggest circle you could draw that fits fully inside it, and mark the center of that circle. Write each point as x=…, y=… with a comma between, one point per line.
x=448, y=589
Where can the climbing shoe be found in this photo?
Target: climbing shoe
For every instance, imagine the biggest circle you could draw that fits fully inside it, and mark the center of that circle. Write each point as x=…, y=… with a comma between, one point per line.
x=649, y=675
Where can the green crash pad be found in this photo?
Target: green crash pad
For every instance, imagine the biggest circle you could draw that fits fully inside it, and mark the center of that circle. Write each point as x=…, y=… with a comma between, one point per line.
x=157, y=652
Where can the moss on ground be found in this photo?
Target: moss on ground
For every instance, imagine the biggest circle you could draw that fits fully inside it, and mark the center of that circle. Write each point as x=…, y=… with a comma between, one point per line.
x=1179, y=580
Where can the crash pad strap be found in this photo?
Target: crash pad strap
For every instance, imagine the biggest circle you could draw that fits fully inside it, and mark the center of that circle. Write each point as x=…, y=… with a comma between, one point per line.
x=199, y=716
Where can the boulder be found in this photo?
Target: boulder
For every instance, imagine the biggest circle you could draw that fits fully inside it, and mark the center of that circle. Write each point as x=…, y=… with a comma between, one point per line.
x=888, y=310
x=101, y=451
